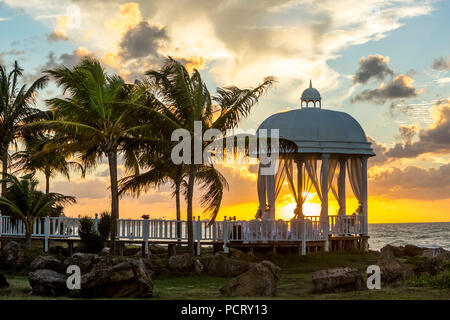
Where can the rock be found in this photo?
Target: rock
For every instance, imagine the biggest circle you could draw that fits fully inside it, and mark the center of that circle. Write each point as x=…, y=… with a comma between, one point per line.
x=391, y=269
x=259, y=281
x=84, y=260
x=181, y=262
x=337, y=280
x=3, y=282
x=430, y=266
x=48, y=283
x=397, y=251
x=128, y=279
x=11, y=256
x=236, y=254
x=198, y=267
x=105, y=251
x=48, y=262
x=155, y=267
x=432, y=252
x=59, y=250
x=132, y=251
x=171, y=249
x=412, y=251
x=226, y=267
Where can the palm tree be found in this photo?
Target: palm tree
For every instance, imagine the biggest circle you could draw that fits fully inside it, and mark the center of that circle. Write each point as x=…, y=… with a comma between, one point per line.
x=161, y=170
x=185, y=99
x=27, y=203
x=15, y=109
x=97, y=117
x=39, y=155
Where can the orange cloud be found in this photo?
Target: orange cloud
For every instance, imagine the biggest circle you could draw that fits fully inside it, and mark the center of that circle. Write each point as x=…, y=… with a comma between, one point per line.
x=60, y=31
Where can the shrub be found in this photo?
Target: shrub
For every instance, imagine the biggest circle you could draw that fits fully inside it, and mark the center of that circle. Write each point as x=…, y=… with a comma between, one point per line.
x=439, y=281
x=104, y=225
x=90, y=238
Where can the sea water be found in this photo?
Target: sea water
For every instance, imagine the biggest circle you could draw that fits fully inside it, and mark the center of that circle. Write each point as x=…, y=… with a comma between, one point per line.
x=430, y=235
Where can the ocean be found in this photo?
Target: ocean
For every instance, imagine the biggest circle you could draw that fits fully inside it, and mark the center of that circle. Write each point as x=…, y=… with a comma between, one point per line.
x=430, y=235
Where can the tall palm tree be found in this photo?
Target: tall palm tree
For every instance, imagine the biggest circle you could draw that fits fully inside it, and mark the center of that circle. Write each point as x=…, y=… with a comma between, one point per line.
x=97, y=116
x=15, y=109
x=161, y=170
x=185, y=99
x=28, y=204
x=39, y=155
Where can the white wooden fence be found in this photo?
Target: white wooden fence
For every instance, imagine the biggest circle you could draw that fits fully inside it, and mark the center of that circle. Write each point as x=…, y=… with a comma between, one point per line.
x=254, y=231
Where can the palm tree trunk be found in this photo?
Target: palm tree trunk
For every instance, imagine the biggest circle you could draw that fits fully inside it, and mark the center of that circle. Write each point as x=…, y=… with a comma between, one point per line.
x=112, y=159
x=4, y=168
x=190, y=196
x=27, y=235
x=177, y=203
x=47, y=182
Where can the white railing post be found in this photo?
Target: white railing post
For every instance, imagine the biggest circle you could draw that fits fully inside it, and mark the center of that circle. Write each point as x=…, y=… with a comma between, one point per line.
x=145, y=235
x=199, y=235
x=304, y=238
x=96, y=222
x=46, y=233
x=225, y=237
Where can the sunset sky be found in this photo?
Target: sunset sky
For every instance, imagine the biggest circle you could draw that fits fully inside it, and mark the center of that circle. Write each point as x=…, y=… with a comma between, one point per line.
x=386, y=63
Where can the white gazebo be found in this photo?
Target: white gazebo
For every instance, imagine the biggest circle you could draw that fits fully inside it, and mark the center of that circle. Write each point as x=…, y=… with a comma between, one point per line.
x=335, y=139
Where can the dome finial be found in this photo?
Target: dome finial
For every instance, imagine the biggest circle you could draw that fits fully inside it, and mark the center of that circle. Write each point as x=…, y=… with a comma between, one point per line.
x=311, y=95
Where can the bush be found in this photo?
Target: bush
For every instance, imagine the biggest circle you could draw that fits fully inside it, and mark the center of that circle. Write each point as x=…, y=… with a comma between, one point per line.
x=90, y=238
x=440, y=281
x=104, y=225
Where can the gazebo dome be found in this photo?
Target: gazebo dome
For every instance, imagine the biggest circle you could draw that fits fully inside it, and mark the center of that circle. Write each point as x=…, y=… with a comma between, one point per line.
x=311, y=95
x=316, y=130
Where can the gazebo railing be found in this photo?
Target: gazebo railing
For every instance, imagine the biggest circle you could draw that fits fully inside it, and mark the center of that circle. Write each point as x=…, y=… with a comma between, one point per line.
x=253, y=231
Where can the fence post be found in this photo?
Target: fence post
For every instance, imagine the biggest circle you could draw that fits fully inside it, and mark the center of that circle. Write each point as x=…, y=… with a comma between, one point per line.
x=46, y=233
x=145, y=235
x=96, y=222
x=199, y=235
x=225, y=237
x=304, y=238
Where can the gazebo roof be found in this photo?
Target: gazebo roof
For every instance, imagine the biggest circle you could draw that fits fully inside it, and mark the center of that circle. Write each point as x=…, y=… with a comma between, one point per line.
x=316, y=130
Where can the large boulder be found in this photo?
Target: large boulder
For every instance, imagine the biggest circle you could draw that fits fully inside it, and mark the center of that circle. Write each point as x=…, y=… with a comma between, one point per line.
x=84, y=260
x=397, y=251
x=391, y=269
x=48, y=283
x=199, y=268
x=48, y=262
x=430, y=266
x=259, y=281
x=337, y=280
x=128, y=279
x=11, y=256
x=181, y=262
x=3, y=282
x=225, y=267
x=412, y=251
x=432, y=252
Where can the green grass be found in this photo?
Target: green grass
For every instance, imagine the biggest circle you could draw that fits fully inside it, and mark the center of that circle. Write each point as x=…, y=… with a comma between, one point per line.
x=295, y=282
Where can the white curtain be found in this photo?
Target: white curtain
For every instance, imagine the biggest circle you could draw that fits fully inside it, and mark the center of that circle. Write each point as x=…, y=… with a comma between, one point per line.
x=334, y=183
x=354, y=169
x=269, y=187
x=301, y=192
x=316, y=176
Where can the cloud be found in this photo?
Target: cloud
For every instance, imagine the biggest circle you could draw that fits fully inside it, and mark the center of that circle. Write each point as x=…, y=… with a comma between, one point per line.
x=374, y=66
x=60, y=31
x=400, y=87
x=86, y=188
x=142, y=41
x=412, y=183
x=441, y=63
x=434, y=139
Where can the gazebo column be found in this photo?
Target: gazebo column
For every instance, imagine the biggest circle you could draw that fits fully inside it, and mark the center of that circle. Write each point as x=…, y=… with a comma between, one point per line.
x=324, y=212
x=364, y=195
x=341, y=185
x=299, y=163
